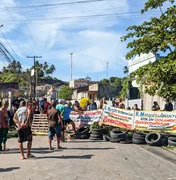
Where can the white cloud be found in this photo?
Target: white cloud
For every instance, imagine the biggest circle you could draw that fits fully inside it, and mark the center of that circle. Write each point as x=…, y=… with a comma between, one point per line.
x=91, y=39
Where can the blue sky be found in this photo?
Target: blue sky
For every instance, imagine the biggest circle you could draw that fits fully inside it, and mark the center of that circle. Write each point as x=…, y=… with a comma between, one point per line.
x=58, y=30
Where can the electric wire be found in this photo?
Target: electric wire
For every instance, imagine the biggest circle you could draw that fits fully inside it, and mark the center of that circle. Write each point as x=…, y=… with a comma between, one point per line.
x=93, y=16
x=9, y=45
x=58, y=4
x=26, y=24
x=18, y=26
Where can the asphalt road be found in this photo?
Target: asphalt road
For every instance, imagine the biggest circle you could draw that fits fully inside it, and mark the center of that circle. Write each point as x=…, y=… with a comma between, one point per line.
x=87, y=160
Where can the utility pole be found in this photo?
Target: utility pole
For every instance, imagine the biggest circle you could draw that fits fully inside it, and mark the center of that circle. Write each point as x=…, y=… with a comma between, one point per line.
x=34, y=83
x=107, y=66
x=71, y=66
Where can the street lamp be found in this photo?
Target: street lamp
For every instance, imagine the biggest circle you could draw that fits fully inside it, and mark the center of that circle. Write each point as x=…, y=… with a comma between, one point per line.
x=71, y=54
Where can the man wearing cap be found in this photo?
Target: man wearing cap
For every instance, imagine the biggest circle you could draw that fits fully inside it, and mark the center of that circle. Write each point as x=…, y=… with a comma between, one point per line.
x=60, y=106
x=22, y=118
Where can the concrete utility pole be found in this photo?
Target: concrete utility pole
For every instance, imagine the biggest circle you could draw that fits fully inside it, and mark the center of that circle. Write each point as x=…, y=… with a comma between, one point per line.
x=107, y=67
x=34, y=83
x=71, y=66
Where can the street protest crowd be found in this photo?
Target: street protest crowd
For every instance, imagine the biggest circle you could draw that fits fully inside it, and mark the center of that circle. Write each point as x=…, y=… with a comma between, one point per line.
x=58, y=112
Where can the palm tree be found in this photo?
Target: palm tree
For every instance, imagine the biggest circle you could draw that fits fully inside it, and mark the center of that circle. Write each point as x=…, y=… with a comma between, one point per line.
x=125, y=70
x=45, y=65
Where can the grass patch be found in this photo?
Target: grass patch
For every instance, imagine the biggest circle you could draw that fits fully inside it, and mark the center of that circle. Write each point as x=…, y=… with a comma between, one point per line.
x=170, y=148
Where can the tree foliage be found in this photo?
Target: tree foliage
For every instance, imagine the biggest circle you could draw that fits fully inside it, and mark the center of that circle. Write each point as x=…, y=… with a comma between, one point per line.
x=65, y=93
x=156, y=36
x=113, y=81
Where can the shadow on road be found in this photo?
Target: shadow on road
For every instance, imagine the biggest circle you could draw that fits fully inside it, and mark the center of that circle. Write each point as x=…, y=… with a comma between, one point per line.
x=67, y=157
x=39, y=150
x=88, y=148
x=8, y=169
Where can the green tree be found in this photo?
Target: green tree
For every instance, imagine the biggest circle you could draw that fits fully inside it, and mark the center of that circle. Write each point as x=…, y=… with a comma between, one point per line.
x=112, y=79
x=65, y=93
x=157, y=35
x=104, y=81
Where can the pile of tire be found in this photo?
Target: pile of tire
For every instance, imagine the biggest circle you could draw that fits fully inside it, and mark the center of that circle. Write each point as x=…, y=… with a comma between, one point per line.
x=172, y=140
x=96, y=134
x=82, y=133
x=118, y=136
x=139, y=138
x=156, y=139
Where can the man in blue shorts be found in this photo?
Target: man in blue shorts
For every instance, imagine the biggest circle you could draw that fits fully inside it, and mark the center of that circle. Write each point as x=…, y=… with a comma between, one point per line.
x=55, y=124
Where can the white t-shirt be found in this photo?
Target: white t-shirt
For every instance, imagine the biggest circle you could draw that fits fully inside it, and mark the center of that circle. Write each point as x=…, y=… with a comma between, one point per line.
x=22, y=114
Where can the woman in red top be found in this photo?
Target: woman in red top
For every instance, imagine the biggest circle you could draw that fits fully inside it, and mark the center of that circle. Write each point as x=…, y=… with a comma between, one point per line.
x=4, y=126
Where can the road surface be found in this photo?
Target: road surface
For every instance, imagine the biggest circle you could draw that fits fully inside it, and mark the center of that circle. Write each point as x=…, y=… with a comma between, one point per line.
x=87, y=160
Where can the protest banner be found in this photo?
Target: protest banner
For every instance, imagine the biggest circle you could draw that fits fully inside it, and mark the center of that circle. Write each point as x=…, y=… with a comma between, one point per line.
x=86, y=117
x=155, y=121
x=118, y=117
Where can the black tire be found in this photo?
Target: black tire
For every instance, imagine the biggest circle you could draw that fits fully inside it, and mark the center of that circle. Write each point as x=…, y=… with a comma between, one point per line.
x=138, y=141
x=154, y=139
x=140, y=136
x=125, y=142
x=75, y=136
x=118, y=135
x=116, y=140
x=83, y=130
x=96, y=136
x=84, y=136
x=172, y=141
x=171, y=135
x=129, y=137
x=106, y=138
x=97, y=131
x=116, y=130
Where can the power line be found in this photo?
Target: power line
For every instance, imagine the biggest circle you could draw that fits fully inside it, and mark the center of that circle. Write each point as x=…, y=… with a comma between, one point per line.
x=26, y=24
x=3, y=61
x=85, y=16
x=4, y=54
x=17, y=25
x=4, y=51
x=9, y=44
x=58, y=4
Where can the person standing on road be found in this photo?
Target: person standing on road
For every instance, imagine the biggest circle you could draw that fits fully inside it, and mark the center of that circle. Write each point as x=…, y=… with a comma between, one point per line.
x=46, y=106
x=66, y=116
x=168, y=106
x=1, y=129
x=60, y=106
x=4, y=125
x=22, y=118
x=55, y=125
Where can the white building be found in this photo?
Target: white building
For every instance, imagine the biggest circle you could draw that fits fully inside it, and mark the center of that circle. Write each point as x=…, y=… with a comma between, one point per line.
x=81, y=82
x=139, y=61
x=135, y=64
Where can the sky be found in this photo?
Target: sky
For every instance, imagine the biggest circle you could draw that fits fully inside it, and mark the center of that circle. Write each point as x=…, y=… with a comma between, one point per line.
x=89, y=30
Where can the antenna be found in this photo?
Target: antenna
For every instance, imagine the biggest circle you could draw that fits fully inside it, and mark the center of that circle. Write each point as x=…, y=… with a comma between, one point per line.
x=107, y=67
x=71, y=66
